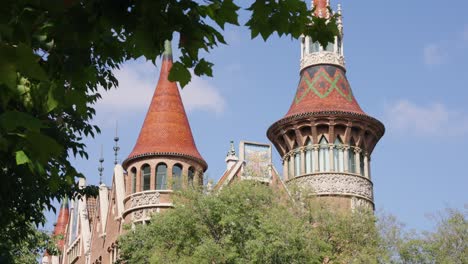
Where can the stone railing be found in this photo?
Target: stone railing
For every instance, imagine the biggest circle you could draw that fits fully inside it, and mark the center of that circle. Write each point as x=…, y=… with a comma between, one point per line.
x=336, y=183
x=73, y=252
x=142, y=204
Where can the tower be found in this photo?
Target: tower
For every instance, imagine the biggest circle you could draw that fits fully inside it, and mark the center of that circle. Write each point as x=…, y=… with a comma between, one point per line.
x=165, y=157
x=59, y=232
x=325, y=139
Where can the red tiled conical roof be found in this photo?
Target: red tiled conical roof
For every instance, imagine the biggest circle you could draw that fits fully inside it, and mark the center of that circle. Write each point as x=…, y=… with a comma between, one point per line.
x=62, y=221
x=323, y=88
x=166, y=129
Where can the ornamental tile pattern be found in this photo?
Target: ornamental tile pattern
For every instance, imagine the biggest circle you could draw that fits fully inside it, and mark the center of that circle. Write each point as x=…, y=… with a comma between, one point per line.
x=166, y=128
x=323, y=88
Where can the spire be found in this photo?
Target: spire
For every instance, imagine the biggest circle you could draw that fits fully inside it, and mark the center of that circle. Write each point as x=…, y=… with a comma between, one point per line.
x=116, y=146
x=323, y=86
x=231, y=158
x=100, y=168
x=62, y=221
x=166, y=130
x=232, y=150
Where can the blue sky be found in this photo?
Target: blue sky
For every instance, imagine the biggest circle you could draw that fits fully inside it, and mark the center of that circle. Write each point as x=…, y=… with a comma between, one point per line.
x=406, y=63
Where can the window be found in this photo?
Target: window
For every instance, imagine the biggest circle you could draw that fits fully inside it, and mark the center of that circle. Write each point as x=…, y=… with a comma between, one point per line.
x=191, y=174
x=133, y=175
x=338, y=155
x=161, y=173
x=146, y=177
x=309, y=162
x=324, y=156
x=177, y=177
x=297, y=164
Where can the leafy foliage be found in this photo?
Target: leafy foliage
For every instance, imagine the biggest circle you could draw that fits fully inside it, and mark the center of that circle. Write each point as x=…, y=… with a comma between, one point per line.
x=248, y=223
x=54, y=55
x=29, y=249
x=446, y=244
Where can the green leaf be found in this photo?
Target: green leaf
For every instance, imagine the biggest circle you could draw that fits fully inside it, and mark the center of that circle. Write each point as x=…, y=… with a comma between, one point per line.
x=21, y=158
x=51, y=102
x=204, y=68
x=180, y=74
x=12, y=120
x=27, y=63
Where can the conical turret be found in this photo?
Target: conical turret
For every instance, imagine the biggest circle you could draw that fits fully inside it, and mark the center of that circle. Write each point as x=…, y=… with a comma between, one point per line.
x=165, y=157
x=166, y=129
x=62, y=221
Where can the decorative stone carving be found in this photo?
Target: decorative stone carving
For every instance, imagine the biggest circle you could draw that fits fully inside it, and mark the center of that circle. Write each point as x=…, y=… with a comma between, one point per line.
x=323, y=57
x=141, y=205
x=336, y=184
x=144, y=199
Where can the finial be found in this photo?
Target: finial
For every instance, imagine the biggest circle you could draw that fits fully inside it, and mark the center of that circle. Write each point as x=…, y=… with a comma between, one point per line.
x=116, y=146
x=232, y=150
x=100, y=168
x=167, y=54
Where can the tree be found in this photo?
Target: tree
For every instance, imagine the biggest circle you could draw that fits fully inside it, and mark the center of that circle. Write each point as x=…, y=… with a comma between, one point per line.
x=447, y=244
x=55, y=54
x=249, y=223
x=29, y=249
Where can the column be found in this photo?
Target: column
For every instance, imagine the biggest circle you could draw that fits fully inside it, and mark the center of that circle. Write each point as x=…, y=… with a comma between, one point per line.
x=285, y=168
x=357, y=155
x=307, y=45
x=346, y=158
x=316, y=159
x=302, y=161
x=366, y=166
x=153, y=178
x=138, y=180
x=330, y=155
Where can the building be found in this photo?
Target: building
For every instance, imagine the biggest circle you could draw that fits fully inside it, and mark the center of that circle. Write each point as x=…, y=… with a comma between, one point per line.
x=325, y=141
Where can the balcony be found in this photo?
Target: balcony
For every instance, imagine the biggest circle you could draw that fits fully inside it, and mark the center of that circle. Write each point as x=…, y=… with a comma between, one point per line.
x=141, y=205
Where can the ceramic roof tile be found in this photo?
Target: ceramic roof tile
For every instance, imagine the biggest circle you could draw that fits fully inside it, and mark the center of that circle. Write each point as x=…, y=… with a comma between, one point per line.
x=323, y=88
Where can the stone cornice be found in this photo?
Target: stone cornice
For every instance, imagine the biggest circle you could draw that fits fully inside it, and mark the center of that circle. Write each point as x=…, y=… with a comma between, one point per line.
x=297, y=117
x=164, y=154
x=322, y=57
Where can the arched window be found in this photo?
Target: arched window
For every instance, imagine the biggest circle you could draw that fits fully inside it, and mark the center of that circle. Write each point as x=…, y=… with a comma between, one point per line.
x=177, y=177
x=133, y=175
x=161, y=174
x=338, y=155
x=190, y=176
x=361, y=163
x=297, y=163
x=352, y=157
x=309, y=162
x=324, y=156
x=146, y=177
